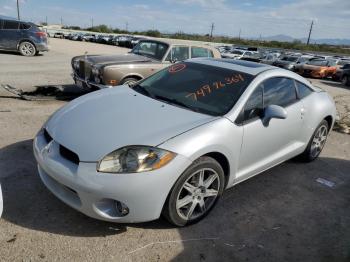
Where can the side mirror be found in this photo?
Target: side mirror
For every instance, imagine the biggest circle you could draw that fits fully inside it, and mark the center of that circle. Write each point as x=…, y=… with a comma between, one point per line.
x=273, y=111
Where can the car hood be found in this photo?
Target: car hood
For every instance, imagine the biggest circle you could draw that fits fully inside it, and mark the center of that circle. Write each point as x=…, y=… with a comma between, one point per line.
x=116, y=59
x=103, y=121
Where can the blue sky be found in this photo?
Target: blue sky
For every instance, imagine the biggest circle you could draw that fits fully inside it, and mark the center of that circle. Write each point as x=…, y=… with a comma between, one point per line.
x=253, y=17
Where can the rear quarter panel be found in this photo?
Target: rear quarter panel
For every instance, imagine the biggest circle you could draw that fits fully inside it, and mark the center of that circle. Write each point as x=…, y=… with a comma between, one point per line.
x=317, y=107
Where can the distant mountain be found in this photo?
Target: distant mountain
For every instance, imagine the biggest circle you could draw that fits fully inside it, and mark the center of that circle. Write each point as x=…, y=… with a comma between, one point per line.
x=328, y=41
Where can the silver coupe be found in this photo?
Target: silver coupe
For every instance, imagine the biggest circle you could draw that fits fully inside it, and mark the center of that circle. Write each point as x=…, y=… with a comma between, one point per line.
x=173, y=142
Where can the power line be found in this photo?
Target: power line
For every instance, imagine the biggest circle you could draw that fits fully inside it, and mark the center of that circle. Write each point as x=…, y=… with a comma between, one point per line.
x=308, y=39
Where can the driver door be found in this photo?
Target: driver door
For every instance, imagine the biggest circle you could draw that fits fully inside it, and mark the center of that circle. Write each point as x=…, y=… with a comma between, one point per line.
x=264, y=146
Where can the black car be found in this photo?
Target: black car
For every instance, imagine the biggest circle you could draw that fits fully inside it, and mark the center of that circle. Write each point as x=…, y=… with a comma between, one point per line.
x=343, y=74
x=24, y=37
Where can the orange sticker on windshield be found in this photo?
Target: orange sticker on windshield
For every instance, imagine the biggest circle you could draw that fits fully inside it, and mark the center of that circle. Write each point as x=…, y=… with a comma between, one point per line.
x=209, y=88
x=177, y=68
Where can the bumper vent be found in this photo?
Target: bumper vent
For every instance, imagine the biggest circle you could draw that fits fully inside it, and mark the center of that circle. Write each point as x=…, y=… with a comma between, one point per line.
x=69, y=155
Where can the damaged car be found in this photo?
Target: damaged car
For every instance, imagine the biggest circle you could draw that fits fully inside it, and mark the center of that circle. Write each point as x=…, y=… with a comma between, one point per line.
x=145, y=59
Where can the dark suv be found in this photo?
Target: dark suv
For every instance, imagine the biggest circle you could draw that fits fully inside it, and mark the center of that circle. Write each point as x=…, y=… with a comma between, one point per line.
x=21, y=36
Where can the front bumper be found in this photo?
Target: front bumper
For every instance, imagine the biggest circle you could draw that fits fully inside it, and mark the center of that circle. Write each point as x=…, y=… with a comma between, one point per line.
x=95, y=194
x=83, y=83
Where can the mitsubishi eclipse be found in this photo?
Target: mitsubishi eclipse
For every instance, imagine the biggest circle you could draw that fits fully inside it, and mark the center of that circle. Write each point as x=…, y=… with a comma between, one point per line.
x=173, y=142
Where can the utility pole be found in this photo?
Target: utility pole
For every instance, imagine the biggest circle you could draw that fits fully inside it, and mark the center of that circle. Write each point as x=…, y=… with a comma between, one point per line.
x=239, y=34
x=46, y=24
x=92, y=22
x=308, y=39
x=61, y=21
x=126, y=26
x=211, y=30
x=18, y=10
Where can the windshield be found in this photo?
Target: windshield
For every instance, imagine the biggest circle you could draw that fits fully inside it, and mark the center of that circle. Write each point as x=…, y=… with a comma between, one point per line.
x=202, y=88
x=237, y=52
x=150, y=49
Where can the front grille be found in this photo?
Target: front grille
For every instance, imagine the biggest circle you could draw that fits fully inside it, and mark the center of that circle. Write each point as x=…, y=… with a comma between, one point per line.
x=47, y=136
x=69, y=155
x=81, y=69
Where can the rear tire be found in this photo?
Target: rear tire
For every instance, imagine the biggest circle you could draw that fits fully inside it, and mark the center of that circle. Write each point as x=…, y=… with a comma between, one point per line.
x=316, y=143
x=195, y=193
x=27, y=49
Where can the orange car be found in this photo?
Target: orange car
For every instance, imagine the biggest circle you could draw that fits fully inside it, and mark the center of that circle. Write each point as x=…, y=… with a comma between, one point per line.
x=318, y=68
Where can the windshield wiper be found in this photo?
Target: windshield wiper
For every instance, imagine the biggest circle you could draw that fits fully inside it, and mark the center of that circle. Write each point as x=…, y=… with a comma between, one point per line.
x=175, y=102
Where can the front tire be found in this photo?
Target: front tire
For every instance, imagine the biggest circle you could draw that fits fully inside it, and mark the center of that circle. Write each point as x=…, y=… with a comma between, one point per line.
x=316, y=143
x=195, y=193
x=130, y=81
x=27, y=49
x=346, y=80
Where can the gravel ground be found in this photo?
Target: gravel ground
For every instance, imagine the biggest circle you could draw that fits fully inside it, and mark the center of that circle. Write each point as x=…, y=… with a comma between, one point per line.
x=283, y=214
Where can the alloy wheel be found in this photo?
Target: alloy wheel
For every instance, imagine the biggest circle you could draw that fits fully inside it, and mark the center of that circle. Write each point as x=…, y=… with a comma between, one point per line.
x=27, y=49
x=198, y=194
x=318, y=141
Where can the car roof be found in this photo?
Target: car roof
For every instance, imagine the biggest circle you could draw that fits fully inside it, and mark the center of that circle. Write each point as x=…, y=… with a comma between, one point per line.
x=247, y=67
x=179, y=42
x=13, y=19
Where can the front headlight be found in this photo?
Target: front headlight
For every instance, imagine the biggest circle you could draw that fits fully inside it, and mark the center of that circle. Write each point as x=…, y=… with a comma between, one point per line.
x=95, y=71
x=76, y=64
x=135, y=159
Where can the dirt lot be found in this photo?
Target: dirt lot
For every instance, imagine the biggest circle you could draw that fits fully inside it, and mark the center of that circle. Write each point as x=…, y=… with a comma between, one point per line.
x=283, y=214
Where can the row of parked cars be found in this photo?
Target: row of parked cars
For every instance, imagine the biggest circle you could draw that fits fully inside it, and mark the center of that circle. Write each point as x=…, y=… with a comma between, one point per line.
x=117, y=40
x=305, y=64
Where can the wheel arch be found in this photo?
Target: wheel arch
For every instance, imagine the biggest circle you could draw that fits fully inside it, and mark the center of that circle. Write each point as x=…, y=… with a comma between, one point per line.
x=223, y=161
x=133, y=75
x=329, y=120
x=26, y=40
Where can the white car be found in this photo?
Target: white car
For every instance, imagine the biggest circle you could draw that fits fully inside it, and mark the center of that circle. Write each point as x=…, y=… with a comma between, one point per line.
x=174, y=141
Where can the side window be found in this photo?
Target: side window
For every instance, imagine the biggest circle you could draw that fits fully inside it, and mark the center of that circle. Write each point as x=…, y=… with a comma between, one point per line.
x=200, y=52
x=279, y=91
x=254, y=106
x=8, y=25
x=178, y=53
x=1, y=21
x=303, y=90
x=24, y=26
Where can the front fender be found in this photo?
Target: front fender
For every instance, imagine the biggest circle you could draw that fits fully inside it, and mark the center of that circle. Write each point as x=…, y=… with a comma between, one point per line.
x=219, y=136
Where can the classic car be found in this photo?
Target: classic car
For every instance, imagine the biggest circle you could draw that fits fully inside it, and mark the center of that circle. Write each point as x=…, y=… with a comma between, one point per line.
x=145, y=59
x=317, y=68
